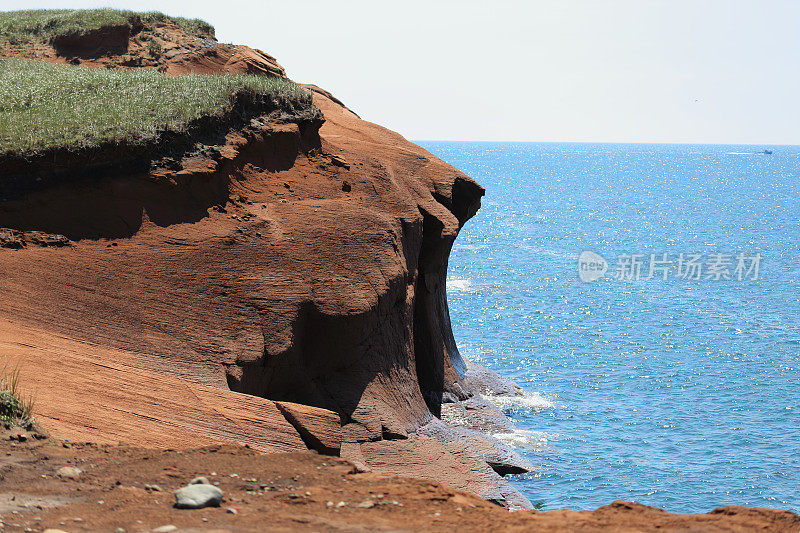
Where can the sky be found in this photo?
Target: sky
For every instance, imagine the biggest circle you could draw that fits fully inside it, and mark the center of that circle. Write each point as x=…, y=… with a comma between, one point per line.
x=700, y=71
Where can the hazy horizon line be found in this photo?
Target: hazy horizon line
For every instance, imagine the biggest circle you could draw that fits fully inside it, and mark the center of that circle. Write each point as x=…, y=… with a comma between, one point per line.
x=606, y=142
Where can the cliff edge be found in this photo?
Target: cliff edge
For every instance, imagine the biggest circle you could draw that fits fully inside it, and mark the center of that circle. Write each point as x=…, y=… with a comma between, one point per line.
x=280, y=284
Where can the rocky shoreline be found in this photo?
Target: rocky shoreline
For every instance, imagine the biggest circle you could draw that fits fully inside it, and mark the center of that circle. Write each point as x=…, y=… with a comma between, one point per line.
x=478, y=460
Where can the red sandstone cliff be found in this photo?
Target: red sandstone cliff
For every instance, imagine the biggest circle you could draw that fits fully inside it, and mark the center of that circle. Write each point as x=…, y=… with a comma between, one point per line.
x=281, y=286
x=285, y=262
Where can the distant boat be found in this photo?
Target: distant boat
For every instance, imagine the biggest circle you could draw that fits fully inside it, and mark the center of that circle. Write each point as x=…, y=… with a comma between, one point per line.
x=768, y=152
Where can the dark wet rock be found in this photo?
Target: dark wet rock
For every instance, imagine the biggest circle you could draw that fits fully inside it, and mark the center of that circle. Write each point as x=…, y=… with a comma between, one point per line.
x=488, y=382
x=497, y=454
x=479, y=414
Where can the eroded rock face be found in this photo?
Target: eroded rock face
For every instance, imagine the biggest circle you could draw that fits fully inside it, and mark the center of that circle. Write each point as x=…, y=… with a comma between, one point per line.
x=106, y=40
x=361, y=315
x=157, y=45
x=281, y=283
x=298, y=264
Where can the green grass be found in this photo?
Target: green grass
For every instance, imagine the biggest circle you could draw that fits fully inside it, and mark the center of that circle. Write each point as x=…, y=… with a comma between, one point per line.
x=44, y=25
x=14, y=411
x=45, y=106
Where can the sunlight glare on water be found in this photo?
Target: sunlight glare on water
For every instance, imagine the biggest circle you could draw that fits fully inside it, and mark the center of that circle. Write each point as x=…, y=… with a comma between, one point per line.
x=681, y=394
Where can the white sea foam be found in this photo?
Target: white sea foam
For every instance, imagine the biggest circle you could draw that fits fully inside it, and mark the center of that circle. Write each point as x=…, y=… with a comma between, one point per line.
x=525, y=440
x=530, y=400
x=458, y=285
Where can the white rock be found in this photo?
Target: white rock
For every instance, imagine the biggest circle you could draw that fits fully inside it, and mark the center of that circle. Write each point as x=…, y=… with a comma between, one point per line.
x=68, y=472
x=198, y=496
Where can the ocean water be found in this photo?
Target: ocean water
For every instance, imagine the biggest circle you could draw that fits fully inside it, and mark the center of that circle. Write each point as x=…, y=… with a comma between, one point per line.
x=680, y=393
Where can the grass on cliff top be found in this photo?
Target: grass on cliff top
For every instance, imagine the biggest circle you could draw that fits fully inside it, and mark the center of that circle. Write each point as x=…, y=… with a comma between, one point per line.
x=44, y=25
x=45, y=106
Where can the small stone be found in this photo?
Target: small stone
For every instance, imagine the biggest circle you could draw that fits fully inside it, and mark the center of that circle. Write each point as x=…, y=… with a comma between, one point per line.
x=120, y=530
x=339, y=161
x=231, y=510
x=68, y=472
x=340, y=504
x=367, y=504
x=329, y=505
x=200, y=480
x=198, y=496
x=164, y=529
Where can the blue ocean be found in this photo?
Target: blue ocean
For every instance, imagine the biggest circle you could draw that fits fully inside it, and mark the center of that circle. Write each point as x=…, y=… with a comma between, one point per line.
x=676, y=387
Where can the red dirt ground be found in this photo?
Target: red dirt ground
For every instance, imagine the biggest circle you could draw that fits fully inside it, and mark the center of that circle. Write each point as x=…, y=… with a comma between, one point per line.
x=286, y=492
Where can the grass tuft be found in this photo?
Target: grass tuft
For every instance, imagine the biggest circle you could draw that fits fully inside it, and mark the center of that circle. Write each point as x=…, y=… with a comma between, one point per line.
x=14, y=410
x=45, y=106
x=45, y=25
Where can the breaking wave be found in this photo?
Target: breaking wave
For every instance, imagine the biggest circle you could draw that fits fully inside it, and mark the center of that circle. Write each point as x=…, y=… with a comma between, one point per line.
x=458, y=285
x=530, y=400
x=522, y=439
